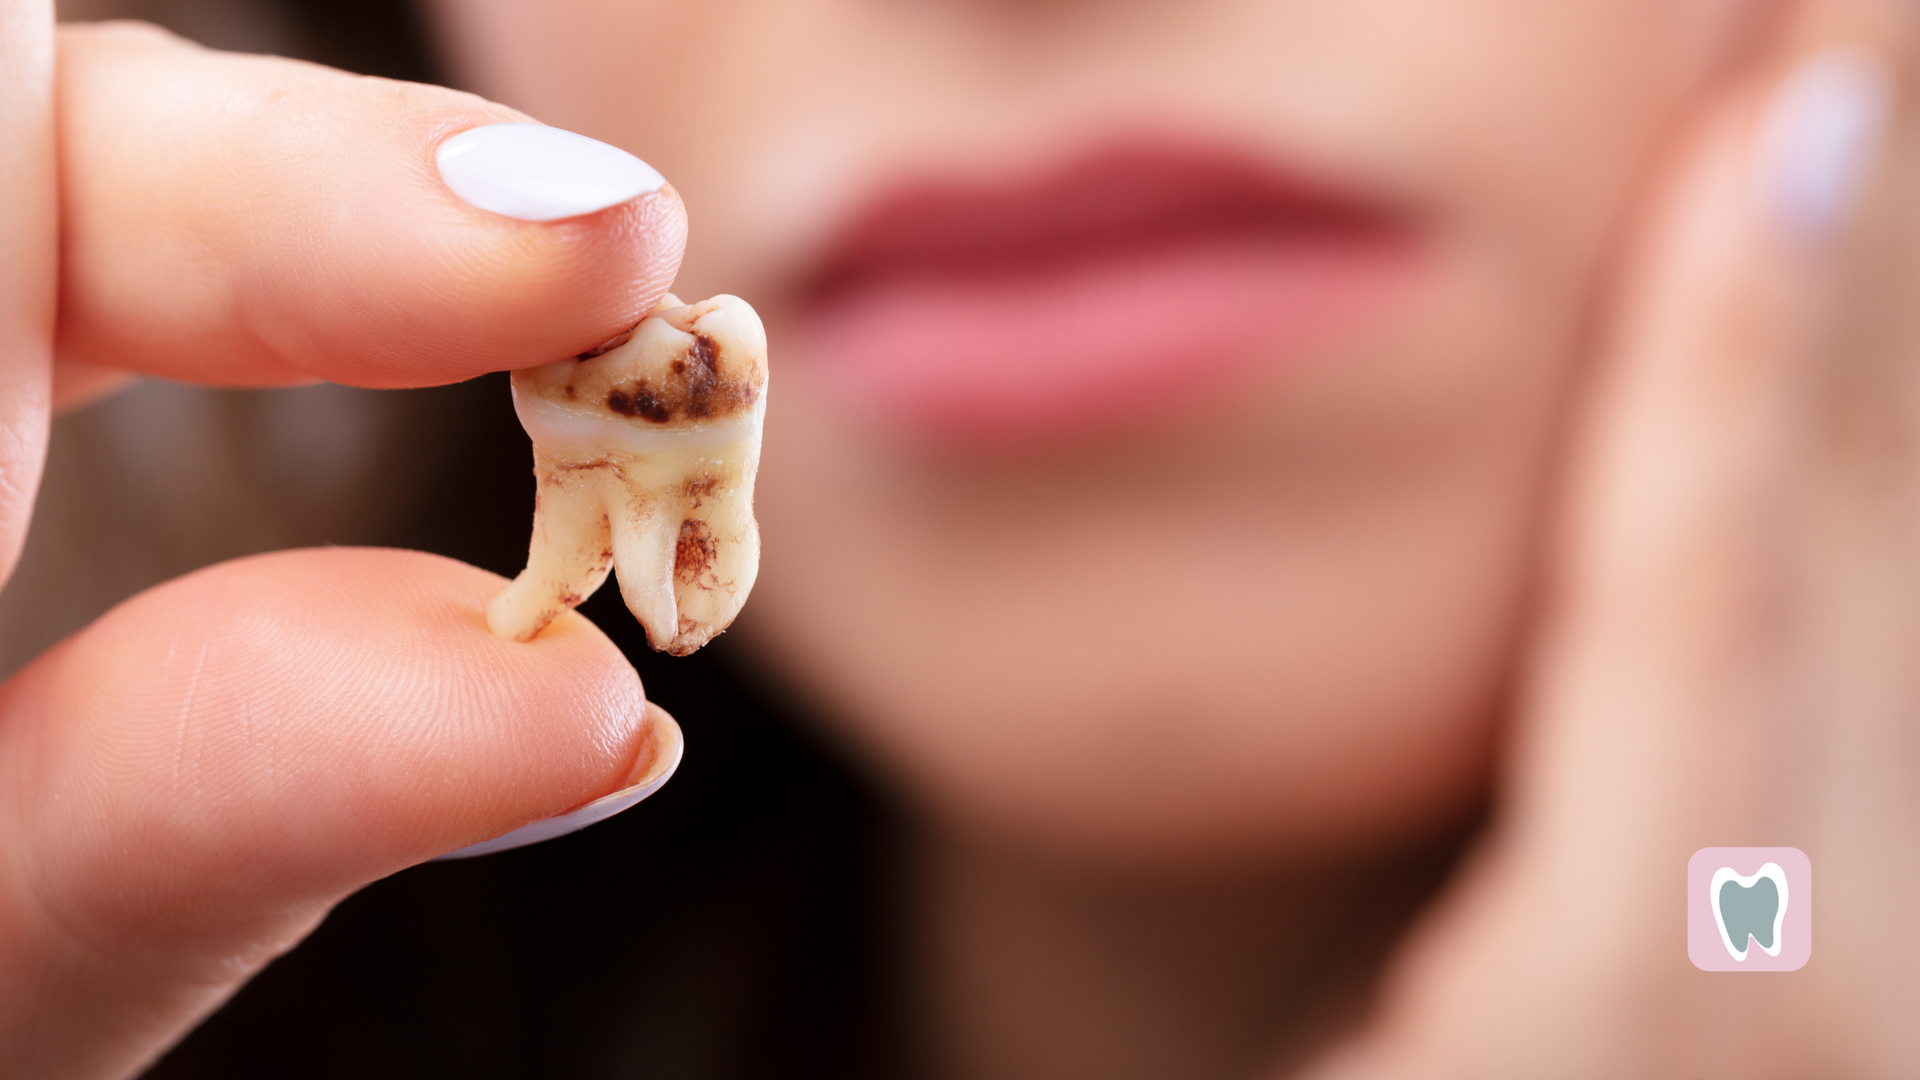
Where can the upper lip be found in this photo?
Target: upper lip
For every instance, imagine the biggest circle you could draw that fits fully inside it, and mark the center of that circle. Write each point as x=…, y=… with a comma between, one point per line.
x=1103, y=204
x=1125, y=284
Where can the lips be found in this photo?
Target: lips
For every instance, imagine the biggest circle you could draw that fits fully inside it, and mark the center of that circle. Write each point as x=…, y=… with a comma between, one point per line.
x=1749, y=909
x=1130, y=284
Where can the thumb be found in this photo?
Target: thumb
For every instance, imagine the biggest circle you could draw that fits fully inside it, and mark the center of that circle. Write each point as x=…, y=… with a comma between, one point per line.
x=189, y=784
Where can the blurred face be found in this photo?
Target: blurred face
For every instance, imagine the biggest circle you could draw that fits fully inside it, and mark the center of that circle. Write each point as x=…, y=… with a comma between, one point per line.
x=1165, y=394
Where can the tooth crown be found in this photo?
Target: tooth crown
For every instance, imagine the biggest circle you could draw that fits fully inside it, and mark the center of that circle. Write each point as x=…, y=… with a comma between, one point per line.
x=685, y=364
x=646, y=451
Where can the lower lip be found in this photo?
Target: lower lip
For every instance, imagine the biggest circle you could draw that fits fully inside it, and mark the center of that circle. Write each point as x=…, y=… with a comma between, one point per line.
x=1087, y=346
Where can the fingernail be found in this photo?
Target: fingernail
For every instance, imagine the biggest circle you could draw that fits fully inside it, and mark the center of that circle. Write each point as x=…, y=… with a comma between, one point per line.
x=539, y=173
x=659, y=758
x=1821, y=135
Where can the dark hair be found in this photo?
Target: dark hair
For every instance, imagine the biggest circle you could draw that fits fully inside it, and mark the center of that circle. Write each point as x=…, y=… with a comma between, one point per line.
x=371, y=37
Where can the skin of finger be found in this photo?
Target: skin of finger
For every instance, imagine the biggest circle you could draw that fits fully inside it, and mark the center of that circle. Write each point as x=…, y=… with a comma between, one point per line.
x=75, y=386
x=1667, y=711
x=188, y=785
x=1858, y=608
x=28, y=246
x=242, y=220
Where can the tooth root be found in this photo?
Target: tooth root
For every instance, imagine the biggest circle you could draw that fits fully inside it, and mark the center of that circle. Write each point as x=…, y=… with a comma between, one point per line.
x=717, y=557
x=568, y=558
x=643, y=551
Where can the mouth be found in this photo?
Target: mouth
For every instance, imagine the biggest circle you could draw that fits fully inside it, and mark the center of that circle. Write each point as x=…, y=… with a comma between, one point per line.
x=1128, y=285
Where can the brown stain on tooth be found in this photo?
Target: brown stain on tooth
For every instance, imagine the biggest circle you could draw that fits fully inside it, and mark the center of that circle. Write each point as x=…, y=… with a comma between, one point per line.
x=708, y=394
x=706, y=352
x=694, y=553
x=699, y=488
x=687, y=638
x=639, y=400
x=690, y=388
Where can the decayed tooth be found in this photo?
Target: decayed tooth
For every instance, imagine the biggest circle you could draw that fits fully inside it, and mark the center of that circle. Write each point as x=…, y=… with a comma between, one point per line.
x=645, y=451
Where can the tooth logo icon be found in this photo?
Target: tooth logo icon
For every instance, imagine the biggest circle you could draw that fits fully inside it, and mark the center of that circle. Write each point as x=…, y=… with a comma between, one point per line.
x=1749, y=909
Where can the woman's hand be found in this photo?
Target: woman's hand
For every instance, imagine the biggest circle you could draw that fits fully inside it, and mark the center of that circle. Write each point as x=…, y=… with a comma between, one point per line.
x=189, y=784
x=1731, y=652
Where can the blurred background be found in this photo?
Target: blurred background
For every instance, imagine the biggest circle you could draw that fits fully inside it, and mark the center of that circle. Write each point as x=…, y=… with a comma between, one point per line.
x=730, y=928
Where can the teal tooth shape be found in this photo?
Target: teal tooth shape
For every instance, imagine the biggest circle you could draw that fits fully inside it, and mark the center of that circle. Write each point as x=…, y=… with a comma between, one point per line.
x=1749, y=909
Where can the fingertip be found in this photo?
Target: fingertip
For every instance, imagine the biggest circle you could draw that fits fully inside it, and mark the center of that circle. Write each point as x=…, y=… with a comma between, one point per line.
x=504, y=294
x=659, y=757
x=288, y=727
x=533, y=172
x=1819, y=138
x=76, y=386
x=419, y=286
x=247, y=221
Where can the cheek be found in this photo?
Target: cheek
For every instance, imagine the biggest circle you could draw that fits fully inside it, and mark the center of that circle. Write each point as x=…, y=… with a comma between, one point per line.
x=1282, y=627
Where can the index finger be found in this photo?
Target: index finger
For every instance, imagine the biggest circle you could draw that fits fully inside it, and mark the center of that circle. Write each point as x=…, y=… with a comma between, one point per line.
x=243, y=220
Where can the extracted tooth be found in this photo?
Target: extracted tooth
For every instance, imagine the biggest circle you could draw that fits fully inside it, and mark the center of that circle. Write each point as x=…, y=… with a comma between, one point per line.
x=646, y=450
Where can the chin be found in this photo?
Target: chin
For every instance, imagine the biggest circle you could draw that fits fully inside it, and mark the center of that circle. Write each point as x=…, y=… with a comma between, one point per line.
x=1239, y=763
x=1204, y=786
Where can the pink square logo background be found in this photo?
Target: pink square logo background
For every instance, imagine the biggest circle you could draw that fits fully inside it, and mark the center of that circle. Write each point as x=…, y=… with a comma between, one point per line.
x=1704, y=945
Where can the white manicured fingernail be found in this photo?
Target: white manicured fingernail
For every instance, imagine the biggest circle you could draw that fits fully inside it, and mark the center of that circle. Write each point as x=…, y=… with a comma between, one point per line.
x=659, y=758
x=1821, y=137
x=539, y=173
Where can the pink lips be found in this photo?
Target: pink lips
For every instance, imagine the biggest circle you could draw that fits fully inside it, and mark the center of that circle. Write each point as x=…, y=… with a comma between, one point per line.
x=1128, y=285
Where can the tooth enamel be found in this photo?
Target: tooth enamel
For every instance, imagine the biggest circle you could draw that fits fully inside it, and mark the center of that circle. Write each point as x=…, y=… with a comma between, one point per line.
x=647, y=471
x=1733, y=895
